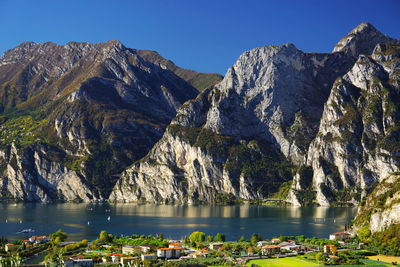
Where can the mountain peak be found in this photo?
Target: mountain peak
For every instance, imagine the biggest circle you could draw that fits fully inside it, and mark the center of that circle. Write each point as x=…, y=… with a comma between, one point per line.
x=364, y=27
x=362, y=40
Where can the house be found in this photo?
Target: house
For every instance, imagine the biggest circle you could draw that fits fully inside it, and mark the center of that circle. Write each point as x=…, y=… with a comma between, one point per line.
x=270, y=249
x=275, y=240
x=198, y=255
x=145, y=248
x=148, y=256
x=115, y=257
x=175, y=244
x=216, y=245
x=126, y=260
x=262, y=243
x=38, y=239
x=169, y=253
x=10, y=247
x=289, y=246
x=131, y=249
x=330, y=249
x=339, y=236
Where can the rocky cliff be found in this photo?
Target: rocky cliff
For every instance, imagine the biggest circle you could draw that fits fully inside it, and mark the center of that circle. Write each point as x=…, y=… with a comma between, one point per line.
x=381, y=207
x=279, y=113
x=73, y=116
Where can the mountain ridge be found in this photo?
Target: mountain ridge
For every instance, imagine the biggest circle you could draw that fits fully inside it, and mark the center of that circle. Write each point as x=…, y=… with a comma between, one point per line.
x=309, y=128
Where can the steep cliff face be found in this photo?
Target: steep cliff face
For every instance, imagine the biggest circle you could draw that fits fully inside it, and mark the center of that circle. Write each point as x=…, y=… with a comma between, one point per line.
x=101, y=105
x=279, y=113
x=380, y=208
x=357, y=143
x=32, y=174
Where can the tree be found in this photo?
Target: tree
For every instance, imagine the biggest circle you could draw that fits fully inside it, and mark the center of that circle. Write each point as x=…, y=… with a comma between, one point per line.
x=363, y=234
x=104, y=237
x=58, y=237
x=209, y=239
x=197, y=237
x=301, y=238
x=186, y=240
x=161, y=236
x=219, y=237
x=319, y=255
x=241, y=239
x=255, y=238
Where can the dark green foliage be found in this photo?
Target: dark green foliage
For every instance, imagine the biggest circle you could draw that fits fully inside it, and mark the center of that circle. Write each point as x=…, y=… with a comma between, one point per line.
x=255, y=238
x=219, y=237
x=306, y=196
x=197, y=237
x=387, y=241
x=283, y=190
x=306, y=175
x=135, y=240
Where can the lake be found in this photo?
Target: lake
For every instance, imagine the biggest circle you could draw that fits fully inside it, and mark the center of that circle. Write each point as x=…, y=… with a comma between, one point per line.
x=174, y=221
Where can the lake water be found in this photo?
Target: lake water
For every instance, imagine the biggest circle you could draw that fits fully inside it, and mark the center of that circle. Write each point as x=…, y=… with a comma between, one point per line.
x=174, y=221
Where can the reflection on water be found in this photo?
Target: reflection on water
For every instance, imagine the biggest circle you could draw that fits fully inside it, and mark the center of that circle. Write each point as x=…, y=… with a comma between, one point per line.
x=175, y=221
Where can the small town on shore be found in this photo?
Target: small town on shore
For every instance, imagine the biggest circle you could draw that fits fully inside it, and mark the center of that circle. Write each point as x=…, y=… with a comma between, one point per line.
x=198, y=249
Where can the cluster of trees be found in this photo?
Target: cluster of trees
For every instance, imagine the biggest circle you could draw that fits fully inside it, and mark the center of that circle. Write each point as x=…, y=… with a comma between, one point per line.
x=57, y=237
x=75, y=246
x=387, y=241
x=136, y=240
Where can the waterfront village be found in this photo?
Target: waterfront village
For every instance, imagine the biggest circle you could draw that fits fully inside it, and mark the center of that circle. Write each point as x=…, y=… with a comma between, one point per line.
x=198, y=249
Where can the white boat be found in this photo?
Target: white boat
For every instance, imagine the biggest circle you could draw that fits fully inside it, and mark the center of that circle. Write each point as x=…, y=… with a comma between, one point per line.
x=27, y=231
x=109, y=218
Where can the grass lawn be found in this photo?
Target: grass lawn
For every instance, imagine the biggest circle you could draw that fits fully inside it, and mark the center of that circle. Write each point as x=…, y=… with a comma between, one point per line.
x=282, y=262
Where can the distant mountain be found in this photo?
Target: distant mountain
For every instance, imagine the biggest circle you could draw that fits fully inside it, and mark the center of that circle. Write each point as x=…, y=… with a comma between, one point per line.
x=74, y=116
x=311, y=128
x=200, y=81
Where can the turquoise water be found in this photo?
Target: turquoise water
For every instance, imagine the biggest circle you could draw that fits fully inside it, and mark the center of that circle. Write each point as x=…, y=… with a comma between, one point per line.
x=174, y=221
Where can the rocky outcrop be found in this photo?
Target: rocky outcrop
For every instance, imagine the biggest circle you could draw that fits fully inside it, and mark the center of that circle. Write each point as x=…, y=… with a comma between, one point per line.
x=380, y=208
x=362, y=40
x=32, y=174
x=357, y=140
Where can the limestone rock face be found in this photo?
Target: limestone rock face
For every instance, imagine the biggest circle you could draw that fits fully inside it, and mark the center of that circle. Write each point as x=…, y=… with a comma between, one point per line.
x=31, y=175
x=326, y=117
x=380, y=208
x=356, y=143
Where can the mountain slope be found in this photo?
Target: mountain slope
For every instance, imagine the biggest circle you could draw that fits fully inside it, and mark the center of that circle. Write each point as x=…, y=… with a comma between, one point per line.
x=99, y=107
x=263, y=124
x=200, y=81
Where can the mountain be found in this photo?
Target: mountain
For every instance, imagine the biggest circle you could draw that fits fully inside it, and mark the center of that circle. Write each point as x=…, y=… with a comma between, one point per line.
x=200, y=81
x=315, y=128
x=74, y=116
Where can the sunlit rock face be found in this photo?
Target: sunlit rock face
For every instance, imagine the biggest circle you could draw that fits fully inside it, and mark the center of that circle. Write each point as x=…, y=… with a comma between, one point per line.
x=313, y=112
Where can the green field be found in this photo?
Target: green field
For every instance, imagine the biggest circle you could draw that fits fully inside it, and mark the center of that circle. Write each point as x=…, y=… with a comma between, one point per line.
x=281, y=262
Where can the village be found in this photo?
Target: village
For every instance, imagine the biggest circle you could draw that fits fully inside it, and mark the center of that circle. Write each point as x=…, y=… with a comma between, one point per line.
x=197, y=249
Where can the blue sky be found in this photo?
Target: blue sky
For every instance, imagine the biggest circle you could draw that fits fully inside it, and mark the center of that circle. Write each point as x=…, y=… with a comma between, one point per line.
x=204, y=35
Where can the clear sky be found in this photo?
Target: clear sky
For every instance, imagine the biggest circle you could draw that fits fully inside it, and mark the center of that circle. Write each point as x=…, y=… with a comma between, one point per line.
x=204, y=35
